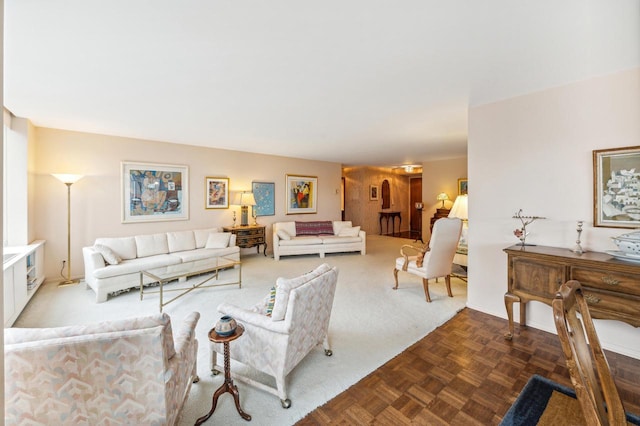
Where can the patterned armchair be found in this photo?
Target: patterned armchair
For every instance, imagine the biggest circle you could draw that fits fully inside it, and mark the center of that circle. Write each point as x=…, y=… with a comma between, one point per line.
x=281, y=330
x=128, y=371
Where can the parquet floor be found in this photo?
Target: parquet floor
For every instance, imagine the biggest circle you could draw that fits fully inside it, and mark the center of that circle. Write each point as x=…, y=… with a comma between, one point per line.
x=463, y=373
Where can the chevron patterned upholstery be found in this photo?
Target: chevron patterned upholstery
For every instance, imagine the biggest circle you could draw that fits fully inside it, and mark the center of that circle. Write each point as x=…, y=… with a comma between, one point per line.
x=128, y=371
x=276, y=347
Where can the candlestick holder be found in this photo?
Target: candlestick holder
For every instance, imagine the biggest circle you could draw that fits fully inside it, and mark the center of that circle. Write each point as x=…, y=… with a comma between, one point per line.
x=578, y=248
x=521, y=233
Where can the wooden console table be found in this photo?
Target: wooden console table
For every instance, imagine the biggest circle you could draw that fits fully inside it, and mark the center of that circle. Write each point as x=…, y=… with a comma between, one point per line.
x=249, y=236
x=611, y=287
x=392, y=216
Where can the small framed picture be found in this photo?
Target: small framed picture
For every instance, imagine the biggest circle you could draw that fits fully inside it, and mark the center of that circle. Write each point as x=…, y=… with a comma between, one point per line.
x=463, y=186
x=616, y=187
x=216, y=193
x=302, y=194
x=373, y=193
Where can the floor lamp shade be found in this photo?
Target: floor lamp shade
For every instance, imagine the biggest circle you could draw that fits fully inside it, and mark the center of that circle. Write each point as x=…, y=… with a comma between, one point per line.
x=68, y=179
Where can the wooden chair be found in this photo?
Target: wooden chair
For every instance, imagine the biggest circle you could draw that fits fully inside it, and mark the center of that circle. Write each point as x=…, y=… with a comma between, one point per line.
x=587, y=363
x=436, y=259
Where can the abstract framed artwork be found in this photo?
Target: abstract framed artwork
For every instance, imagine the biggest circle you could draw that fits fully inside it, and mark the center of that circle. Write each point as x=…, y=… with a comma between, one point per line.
x=616, y=187
x=154, y=192
x=373, y=193
x=301, y=194
x=463, y=186
x=265, y=195
x=217, y=192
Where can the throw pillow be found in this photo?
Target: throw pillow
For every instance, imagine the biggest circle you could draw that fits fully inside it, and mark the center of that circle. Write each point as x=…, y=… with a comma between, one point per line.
x=324, y=227
x=349, y=232
x=271, y=301
x=109, y=255
x=283, y=235
x=218, y=240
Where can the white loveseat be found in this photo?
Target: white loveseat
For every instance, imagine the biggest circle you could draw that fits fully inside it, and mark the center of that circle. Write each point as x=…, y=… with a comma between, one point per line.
x=317, y=237
x=114, y=264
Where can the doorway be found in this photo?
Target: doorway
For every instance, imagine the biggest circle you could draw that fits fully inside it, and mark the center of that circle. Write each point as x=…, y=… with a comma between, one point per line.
x=415, y=207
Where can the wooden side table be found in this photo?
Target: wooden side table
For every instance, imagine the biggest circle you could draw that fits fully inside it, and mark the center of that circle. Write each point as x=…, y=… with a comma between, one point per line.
x=228, y=385
x=249, y=236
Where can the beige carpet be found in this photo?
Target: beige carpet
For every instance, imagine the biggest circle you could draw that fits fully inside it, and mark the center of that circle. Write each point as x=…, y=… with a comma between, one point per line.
x=370, y=324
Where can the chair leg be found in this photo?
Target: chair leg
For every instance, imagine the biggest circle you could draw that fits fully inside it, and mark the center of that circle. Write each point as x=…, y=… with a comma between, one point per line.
x=425, y=284
x=395, y=275
x=447, y=280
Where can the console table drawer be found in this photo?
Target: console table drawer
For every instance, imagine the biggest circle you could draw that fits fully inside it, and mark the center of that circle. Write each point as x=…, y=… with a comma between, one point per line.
x=607, y=280
x=607, y=305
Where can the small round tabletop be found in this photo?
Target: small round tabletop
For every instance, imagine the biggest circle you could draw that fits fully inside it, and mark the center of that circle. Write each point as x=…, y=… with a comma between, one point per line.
x=216, y=338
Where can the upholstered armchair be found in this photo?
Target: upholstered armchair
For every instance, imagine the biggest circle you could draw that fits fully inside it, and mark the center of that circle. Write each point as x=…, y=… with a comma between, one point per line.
x=435, y=259
x=282, y=329
x=129, y=371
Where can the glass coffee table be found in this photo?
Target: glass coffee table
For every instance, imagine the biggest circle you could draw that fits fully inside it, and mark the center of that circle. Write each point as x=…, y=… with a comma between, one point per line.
x=182, y=271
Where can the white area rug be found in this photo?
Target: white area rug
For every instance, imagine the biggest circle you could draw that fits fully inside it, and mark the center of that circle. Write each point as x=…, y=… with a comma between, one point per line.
x=370, y=324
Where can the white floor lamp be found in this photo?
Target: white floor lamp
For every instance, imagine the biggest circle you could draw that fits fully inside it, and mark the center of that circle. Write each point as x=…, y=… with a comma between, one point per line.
x=68, y=180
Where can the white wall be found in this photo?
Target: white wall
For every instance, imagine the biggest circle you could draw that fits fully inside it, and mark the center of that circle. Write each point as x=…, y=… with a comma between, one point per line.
x=96, y=198
x=534, y=152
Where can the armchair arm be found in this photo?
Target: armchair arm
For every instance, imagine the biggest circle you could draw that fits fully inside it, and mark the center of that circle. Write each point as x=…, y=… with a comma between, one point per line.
x=186, y=332
x=245, y=316
x=418, y=250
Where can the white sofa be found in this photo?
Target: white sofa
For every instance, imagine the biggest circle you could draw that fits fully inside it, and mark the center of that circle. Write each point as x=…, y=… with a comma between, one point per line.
x=340, y=236
x=114, y=264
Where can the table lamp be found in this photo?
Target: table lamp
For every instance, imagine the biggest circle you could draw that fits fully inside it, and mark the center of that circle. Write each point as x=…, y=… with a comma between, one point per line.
x=246, y=199
x=442, y=197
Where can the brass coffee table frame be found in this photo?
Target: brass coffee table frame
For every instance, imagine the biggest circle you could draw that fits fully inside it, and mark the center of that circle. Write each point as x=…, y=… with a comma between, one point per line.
x=182, y=271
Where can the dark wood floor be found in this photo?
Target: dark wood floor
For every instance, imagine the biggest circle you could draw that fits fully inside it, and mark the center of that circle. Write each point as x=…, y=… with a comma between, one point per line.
x=463, y=373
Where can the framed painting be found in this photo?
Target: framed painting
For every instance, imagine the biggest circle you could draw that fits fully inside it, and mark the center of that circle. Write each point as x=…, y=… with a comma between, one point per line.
x=217, y=193
x=154, y=192
x=302, y=194
x=463, y=186
x=373, y=193
x=265, y=195
x=616, y=187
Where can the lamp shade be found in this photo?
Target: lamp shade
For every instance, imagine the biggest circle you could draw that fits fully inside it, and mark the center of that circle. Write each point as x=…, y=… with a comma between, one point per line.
x=247, y=199
x=67, y=178
x=442, y=197
x=460, y=208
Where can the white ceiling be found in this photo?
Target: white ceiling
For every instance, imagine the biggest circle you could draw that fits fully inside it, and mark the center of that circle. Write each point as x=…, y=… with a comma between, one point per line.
x=359, y=82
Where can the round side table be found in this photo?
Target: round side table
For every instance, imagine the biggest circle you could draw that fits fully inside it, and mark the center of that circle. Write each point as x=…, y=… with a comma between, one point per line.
x=228, y=385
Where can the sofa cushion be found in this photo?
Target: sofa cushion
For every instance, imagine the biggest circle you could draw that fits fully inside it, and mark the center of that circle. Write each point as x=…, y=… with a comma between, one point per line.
x=301, y=241
x=320, y=227
x=334, y=239
x=289, y=227
x=107, y=254
x=283, y=234
x=349, y=232
x=284, y=287
x=202, y=235
x=218, y=240
x=181, y=240
x=150, y=245
x=132, y=266
x=338, y=225
x=125, y=247
x=232, y=252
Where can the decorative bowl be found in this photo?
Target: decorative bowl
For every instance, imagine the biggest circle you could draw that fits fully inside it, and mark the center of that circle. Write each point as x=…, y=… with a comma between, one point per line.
x=226, y=326
x=628, y=243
